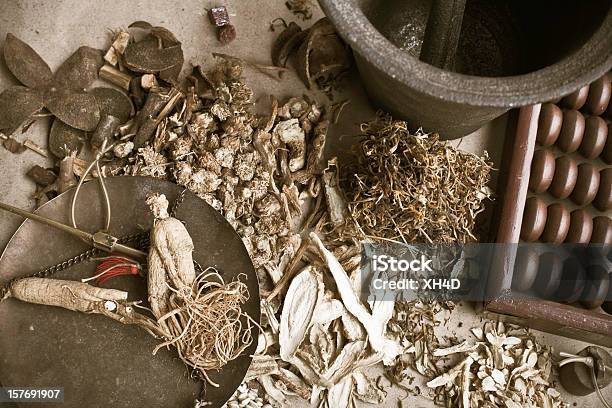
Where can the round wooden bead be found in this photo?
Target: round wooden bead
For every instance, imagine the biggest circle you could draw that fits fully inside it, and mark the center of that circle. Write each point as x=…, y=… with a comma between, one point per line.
x=525, y=268
x=557, y=224
x=596, y=287
x=581, y=227
x=587, y=184
x=606, y=154
x=603, y=199
x=602, y=230
x=549, y=275
x=542, y=170
x=572, y=131
x=572, y=282
x=576, y=99
x=534, y=219
x=566, y=175
x=607, y=304
x=599, y=96
x=595, y=135
x=549, y=124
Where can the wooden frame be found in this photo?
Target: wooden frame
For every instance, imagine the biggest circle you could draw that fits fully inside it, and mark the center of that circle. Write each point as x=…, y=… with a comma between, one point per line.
x=557, y=318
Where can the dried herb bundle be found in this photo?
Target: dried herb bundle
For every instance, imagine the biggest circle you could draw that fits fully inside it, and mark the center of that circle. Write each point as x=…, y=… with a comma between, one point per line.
x=414, y=188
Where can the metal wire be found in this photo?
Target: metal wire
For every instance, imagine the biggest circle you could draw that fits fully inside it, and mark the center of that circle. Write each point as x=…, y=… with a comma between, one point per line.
x=596, y=385
x=96, y=162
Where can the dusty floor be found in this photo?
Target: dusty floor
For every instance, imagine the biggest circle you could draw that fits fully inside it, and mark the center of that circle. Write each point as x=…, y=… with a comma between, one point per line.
x=56, y=28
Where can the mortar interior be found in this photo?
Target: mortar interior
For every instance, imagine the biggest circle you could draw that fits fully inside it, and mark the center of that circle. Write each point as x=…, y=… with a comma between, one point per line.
x=498, y=38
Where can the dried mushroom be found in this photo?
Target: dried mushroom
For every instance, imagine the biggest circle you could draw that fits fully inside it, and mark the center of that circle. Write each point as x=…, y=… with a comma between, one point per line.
x=113, y=102
x=64, y=139
x=80, y=69
x=25, y=63
x=76, y=109
x=17, y=104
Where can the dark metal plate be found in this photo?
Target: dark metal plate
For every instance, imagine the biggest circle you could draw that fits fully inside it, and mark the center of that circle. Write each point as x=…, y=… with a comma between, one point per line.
x=98, y=361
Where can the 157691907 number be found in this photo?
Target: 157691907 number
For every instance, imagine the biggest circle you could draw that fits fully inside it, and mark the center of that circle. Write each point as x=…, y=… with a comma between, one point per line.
x=31, y=394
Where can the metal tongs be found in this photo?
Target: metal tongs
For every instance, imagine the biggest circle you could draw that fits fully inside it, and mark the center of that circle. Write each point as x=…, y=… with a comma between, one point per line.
x=102, y=239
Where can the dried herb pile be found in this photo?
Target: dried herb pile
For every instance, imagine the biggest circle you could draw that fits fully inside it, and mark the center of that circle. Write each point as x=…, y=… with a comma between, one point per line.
x=414, y=188
x=504, y=367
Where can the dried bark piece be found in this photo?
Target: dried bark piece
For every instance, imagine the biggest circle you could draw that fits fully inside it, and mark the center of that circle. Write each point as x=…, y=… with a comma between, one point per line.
x=17, y=104
x=41, y=176
x=116, y=77
x=113, y=103
x=25, y=63
x=287, y=43
x=145, y=56
x=13, y=146
x=301, y=300
x=117, y=48
x=76, y=109
x=80, y=69
x=64, y=139
x=341, y=394
x=290, y=133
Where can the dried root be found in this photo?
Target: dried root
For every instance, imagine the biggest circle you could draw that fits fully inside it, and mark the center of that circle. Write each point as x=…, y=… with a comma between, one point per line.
x=201, y=315
x=208, y=327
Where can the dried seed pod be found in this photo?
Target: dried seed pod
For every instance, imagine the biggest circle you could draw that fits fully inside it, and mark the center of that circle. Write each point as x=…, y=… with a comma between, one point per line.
x=25, y=63
x=145, y=56
x=17, y=104
x=80, y=69
x=64, y=139
x=76, y=109
x=113, y=102
x=323, y=56
x=226, y=34
x=287, y=43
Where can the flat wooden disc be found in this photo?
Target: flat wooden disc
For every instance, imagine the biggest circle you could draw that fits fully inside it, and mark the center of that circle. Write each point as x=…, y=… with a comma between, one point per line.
x=99, y=361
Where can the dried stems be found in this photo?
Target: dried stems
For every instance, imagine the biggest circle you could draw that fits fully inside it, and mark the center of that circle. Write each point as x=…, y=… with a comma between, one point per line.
x=414, y=188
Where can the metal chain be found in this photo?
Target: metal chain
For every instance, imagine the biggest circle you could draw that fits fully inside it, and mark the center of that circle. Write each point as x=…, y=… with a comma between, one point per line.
x=140, y=239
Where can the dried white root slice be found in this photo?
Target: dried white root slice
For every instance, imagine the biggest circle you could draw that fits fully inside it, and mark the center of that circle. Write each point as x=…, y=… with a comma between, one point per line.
x=341, y=394
x=375, y=324
x=292, y=134
x=301, y=299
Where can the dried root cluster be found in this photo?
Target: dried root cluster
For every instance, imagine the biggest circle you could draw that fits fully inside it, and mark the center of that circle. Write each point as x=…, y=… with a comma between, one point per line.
x=199, y=314
x=414, y=188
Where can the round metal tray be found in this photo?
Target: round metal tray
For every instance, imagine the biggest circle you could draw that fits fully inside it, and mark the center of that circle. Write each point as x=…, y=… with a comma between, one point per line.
x=98, y=361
